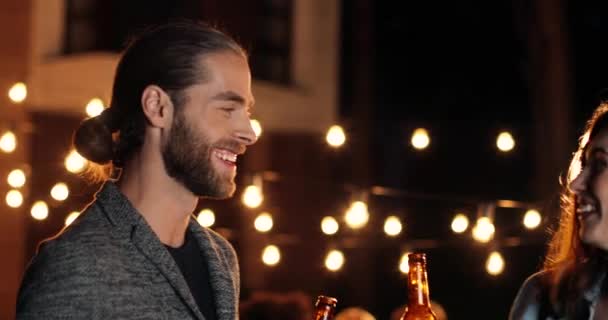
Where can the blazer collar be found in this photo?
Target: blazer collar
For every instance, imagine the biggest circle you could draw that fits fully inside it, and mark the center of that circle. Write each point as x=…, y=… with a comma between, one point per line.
x=221, y=279
x=123, y=215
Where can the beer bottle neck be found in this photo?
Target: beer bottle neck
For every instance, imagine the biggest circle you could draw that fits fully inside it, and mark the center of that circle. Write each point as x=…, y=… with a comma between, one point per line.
x=324, y=312
x=418, y=287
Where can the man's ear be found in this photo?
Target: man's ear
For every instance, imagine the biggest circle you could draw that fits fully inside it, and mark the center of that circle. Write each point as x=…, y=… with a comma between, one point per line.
x=157, y=106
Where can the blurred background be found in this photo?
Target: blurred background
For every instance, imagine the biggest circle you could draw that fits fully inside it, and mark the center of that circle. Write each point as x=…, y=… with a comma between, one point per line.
x=386, y=127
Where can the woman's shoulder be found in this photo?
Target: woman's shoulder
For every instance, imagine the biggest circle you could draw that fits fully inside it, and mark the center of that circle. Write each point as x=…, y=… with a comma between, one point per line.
x=530, y=297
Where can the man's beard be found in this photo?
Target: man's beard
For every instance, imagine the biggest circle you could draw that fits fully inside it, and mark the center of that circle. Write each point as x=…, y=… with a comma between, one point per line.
x=187, y=159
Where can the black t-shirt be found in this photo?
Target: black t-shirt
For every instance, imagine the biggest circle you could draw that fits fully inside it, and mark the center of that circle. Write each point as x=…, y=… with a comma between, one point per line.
x=194, y=268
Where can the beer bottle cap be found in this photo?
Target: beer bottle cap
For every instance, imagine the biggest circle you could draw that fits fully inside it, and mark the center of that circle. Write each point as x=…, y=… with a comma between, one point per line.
x=331, y=301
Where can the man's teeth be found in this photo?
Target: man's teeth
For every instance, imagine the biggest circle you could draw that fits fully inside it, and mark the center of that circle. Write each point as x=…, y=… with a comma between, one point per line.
x=226, y=156
x=585, y=208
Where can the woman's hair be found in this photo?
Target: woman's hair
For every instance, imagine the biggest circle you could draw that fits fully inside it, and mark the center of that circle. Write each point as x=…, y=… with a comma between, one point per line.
x=167, y=56
x=571, y=266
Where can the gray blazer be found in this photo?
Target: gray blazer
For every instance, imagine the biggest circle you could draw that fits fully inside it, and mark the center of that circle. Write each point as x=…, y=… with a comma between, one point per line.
x=109, y=264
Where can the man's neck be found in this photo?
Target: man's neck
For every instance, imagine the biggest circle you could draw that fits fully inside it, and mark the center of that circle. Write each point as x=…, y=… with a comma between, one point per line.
x=165, y=204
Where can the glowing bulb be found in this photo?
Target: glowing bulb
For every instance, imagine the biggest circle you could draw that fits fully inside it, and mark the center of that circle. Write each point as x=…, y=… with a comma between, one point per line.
x=71, y=217
x=257, y=127
x=357, y=215
x=329, y=225
x=16, y=178
x=483, y=230
x=420, y=139
x=460, y=223
x=334, y=260
x=263, y=223
x=392, y=226
x=271, y=255
x=60, y=191
x=8, y=142
x=14, y=198
x=335, y=136
x=206, y=218
x=252, y=197
x=404, y=265
x=495, y=263
x=18, y=92
x=40, y=210
x=94, y=107
x=75, y=163
x=505, y=142
x=532, y=219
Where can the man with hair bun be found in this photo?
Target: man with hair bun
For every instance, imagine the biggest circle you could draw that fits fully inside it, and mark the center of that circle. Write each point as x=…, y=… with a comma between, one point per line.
x=178, y=120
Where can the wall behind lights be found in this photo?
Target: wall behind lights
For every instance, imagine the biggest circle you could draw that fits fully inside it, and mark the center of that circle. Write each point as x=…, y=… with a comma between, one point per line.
x=14, y=15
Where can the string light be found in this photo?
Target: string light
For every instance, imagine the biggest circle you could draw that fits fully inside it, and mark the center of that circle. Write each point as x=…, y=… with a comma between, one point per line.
x=257, y=127
x=532, y=219
x=40, y=210
x=95, y=107
x=60, y=191
x=392, y=226
x=357, y=215
x=206, y=218
x=495, y=263
x=483, y=230
x=252, y=196
x=271, y=255
x=16, y=178
x=75, y=163
x=335, y=136
x=460, y=223
x=8, y=142
x=329, y=225
x=420, y=139
x=404, y=265
x=334, y=260
x=71, y=217
x=263, y=222
x=14, y=198
x=18, y=92
x=505, y=142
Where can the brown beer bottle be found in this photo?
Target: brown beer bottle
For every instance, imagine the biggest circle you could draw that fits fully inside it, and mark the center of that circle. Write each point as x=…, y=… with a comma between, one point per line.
x=418, y=301
x=325, y=308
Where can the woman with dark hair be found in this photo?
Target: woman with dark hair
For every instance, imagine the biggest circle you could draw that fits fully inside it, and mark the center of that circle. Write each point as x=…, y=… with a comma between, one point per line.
x=571, y=284
x=178, y=120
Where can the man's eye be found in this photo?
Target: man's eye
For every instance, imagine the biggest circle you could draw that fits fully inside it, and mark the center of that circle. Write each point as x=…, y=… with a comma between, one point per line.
x=228, y=109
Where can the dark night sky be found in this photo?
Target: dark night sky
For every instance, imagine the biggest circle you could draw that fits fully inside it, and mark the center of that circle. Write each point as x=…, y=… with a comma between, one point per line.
x=462, y=70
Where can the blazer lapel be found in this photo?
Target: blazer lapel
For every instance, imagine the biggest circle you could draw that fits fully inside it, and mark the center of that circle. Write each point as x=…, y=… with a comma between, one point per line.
x=146, y=241
x=222, y=283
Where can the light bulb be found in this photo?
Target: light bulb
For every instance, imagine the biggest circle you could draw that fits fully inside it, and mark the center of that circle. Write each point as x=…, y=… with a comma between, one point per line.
x=334, y=260
x=252, y=196
x=206, y=218
x=18, y=92
x=60, y=191
x=392, y=226
x=257, y=127
x=95, y=107
x=271, y=255
x=505, y=142
x=40, y=210
x=335, y=136
x=329, y=225
x=420, y=139
x=16, y=178
x=8, y=142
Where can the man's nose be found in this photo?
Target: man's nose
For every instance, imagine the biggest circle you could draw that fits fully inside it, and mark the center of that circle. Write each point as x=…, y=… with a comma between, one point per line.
x=245, y=133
